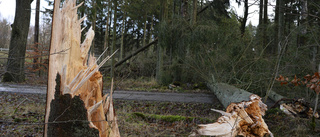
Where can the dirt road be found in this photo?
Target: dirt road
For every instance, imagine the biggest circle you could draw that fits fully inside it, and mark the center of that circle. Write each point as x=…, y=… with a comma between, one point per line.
x=125, y=95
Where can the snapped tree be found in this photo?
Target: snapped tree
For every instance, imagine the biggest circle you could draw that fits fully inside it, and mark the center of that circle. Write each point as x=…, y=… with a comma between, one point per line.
x=76, y=105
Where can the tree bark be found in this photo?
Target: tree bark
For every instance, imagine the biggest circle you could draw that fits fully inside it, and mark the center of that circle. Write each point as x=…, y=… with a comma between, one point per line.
x=122, y=36
x=114, y=37
x=265, y=25
x=75, y=102
x=276, y=24
x=228, y=94
x=280, y=25
x=245, y=17
x=184, y=8
x=106, y=38
x=159, y=69
x=260, y=12
x=36, y=36
x=149, y=39
x=194, y=17
x=144, y=30
x=160, y=48
x=275, y=96
x=17, y=49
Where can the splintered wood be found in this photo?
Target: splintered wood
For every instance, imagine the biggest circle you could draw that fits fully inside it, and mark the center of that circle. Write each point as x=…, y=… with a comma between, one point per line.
x=79, y=72
x=298, y=108
x=240, y=119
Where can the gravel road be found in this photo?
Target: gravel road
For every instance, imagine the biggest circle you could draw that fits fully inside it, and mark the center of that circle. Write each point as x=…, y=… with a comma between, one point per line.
x=124, y=95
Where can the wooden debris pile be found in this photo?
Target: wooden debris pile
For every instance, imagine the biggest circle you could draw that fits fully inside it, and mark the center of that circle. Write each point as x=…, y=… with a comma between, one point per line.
x=298, y=108
x=244, y=119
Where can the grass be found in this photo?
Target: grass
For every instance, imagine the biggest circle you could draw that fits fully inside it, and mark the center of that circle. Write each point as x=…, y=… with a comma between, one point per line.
x=21, y=108
x=151, y=85
x=3, y=58
x=160, y=118
x=140, y=118
x=284, y=126
x=147, y=118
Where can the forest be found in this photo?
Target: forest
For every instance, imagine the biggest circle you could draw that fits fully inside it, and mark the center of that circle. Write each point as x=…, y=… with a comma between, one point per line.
x=180, y=46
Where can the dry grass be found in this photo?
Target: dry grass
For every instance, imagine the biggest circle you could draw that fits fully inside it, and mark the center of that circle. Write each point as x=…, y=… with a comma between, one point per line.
x=140, y=84
x=151, y=85
x=21, y=108
x=140, y=118
x=283, y=126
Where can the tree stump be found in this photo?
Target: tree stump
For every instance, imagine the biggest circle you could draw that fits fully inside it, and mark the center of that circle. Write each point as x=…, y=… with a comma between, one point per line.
x=75, y=102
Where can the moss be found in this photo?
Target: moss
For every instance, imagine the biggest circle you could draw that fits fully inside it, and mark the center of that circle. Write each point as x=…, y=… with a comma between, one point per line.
x=167, y=118
x=170, y=118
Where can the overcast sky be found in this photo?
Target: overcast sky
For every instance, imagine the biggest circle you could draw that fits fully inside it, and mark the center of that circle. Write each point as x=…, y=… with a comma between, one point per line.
x=7, y=10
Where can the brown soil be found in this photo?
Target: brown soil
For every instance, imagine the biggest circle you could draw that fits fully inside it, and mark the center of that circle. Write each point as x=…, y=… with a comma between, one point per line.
x=23, y=114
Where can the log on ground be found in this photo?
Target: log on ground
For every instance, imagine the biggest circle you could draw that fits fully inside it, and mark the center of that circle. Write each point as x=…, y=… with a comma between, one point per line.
x=228, y=94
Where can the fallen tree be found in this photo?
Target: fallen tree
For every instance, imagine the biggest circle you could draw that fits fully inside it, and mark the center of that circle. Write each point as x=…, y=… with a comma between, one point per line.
x=243, y=115
x=243, y=118
x=275, y=96
x=228, y=94
x=75, y=105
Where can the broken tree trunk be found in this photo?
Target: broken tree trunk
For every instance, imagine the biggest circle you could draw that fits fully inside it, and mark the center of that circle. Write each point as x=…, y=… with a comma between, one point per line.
x=75, y=102
x=240, y=119
x=243, y=115
x=275, y=96
x=228, y=94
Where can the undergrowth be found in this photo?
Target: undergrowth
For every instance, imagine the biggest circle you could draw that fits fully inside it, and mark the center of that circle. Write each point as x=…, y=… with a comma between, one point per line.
x=139, y=118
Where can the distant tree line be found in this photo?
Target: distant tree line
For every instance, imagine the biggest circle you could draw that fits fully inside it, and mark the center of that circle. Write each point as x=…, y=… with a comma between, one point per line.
x=197, y=40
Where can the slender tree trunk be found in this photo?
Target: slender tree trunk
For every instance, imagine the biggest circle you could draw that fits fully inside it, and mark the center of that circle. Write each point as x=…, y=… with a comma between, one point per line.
x=245, y=17
x=260, y=12
x=303, y=33
x=122, y=36
x=36, y=37
x=150, y=32
x=265, y=25
x=174, y=8
x=106, y=37
x=160, y=50
x=94, y=18
x=194, y=17
x=144, y=30
x=280, y=25
x=114, y=37
x=18, y=41
x=159, y=69
x=276, y=25
x=184, y=8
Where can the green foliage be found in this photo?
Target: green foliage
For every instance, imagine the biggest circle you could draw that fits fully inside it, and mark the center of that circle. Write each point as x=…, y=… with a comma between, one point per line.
x=168, y=118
